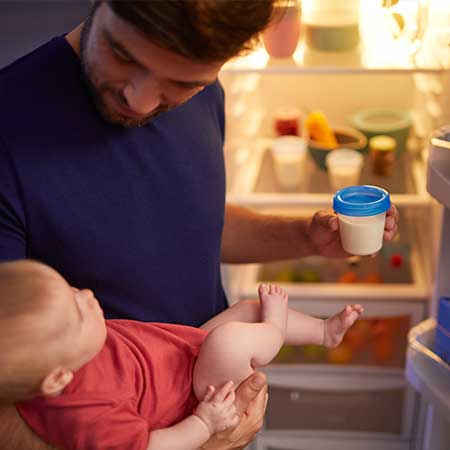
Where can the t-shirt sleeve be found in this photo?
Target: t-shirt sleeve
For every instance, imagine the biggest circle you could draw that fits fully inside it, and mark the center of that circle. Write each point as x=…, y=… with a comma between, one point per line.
x=91, y=424
x=12, y=216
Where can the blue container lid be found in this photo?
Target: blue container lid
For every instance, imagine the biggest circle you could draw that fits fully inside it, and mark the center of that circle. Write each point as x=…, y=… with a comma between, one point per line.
x=361, y=201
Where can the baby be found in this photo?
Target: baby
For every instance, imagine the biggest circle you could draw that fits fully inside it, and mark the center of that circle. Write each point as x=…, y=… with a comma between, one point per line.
x=86, y=383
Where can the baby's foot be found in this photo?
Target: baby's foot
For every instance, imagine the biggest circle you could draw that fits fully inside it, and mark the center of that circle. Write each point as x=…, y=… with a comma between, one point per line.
x=274, y=306
x=336, y=326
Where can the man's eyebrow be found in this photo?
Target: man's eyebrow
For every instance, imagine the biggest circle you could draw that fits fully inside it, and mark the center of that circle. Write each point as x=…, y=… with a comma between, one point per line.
x=199, y=83
x=118, y=46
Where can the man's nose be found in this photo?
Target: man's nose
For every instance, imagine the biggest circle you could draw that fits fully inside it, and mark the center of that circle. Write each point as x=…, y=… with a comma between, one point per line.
x=143, y=94
x=86, y=294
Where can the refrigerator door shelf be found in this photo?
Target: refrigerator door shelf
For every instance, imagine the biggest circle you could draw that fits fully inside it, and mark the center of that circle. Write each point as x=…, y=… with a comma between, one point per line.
x=425, y=370
x=438, y=177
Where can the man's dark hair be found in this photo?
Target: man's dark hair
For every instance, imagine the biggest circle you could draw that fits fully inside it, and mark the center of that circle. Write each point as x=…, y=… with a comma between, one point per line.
x=202, y=30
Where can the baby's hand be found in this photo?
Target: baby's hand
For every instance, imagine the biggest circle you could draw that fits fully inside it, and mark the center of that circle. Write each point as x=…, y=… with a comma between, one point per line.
x=217, y=409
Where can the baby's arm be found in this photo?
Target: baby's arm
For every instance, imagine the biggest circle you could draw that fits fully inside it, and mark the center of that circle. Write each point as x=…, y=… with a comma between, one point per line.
x=216, y=412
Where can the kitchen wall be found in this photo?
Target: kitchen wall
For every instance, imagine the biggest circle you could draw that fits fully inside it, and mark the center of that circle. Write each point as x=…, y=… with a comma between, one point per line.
x=26, y=24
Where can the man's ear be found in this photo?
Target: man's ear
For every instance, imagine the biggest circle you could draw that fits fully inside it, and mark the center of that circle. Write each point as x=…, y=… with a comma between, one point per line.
x=56, y=381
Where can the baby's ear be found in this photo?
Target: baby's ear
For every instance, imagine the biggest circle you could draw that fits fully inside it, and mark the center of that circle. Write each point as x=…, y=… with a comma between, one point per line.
x=56, y=381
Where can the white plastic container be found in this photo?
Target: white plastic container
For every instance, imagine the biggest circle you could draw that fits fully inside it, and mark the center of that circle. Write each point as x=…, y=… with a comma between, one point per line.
x=344, y=168
x=289, y=155
x=362, y=214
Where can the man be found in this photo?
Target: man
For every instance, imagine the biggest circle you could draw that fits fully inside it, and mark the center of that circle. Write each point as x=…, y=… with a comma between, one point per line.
x=111, y=170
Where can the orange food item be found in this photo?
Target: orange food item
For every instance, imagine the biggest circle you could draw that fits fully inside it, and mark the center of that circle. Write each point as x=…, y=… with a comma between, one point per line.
x=340, y=355
x=348, y=277
x=383, y=349
x=319, y=130
x=357, y=336
x=372, y=278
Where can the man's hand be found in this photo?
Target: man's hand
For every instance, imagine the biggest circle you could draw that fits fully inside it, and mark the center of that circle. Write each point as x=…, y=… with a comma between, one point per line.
x=251, y=402
x=324, y=232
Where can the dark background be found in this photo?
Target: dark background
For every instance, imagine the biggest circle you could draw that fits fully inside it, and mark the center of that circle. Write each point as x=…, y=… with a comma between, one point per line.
x=26, y=24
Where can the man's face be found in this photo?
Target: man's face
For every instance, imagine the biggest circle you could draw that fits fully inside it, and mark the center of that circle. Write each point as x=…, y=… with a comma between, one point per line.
x=133, y=80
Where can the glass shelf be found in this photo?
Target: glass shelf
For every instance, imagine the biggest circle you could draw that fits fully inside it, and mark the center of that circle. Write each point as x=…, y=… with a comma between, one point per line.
x=309, y=61
x=255, y=184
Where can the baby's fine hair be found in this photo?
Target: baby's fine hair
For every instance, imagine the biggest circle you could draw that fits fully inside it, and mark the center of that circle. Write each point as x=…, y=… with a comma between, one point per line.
x=28, y=300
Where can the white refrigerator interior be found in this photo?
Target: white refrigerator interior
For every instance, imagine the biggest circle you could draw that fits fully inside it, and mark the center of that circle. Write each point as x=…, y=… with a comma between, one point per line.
x=356, y=396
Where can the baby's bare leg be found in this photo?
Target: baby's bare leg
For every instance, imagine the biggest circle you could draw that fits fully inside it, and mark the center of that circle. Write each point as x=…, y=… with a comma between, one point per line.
x=234, y=349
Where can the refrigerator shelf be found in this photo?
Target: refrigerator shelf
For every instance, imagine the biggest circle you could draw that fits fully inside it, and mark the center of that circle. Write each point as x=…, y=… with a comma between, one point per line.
x=361, y=278
x=412, y=292
x=425, y=370
x=334, y=377
x=305, y=61
x=255, y=184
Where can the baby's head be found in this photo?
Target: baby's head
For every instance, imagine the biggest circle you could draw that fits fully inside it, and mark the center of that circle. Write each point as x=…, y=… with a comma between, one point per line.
x=48, y=330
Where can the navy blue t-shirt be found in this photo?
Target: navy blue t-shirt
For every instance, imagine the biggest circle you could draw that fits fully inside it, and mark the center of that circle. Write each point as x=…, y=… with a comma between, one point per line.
x=136, y=215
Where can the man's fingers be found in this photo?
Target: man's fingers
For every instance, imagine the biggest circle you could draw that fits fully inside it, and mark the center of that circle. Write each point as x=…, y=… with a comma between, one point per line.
x=248, y=390
x=258, y=406
x=327, y=219
x=390, y=223
x=389, y=235
x=393, y=211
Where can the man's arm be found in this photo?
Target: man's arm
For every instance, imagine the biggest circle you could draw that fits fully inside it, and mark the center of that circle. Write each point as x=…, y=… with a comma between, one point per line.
x=250, y=237
x=15, y=434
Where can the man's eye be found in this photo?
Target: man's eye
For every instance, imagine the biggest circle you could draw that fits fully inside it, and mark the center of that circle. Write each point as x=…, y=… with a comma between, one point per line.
x=122, y=56
x=188, y=87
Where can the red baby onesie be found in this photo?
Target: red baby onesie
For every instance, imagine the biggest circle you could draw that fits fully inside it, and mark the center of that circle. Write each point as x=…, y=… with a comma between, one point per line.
x=140, y=381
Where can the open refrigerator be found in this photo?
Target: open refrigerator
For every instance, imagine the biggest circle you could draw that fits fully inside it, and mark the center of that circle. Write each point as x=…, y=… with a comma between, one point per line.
x=356, y=396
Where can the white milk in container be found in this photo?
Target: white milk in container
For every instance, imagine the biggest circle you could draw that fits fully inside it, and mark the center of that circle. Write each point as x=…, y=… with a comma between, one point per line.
x=362, y=214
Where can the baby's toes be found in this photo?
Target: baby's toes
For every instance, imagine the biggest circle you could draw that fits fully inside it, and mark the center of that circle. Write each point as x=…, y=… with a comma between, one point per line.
x=348, y=316
x=262, y=290
x=351, y=319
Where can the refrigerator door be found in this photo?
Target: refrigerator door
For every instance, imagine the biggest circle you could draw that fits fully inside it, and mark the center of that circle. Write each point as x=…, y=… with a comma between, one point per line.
x=430, y=376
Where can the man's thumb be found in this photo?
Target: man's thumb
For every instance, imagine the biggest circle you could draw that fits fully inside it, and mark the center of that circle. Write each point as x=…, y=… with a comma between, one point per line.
x=248, y=390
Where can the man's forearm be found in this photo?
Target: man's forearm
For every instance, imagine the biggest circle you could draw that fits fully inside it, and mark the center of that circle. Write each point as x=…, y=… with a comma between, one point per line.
x=249, y=237
x=15, y=434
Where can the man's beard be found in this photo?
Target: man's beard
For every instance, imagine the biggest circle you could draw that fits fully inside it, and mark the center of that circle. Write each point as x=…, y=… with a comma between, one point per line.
x=108, y=114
